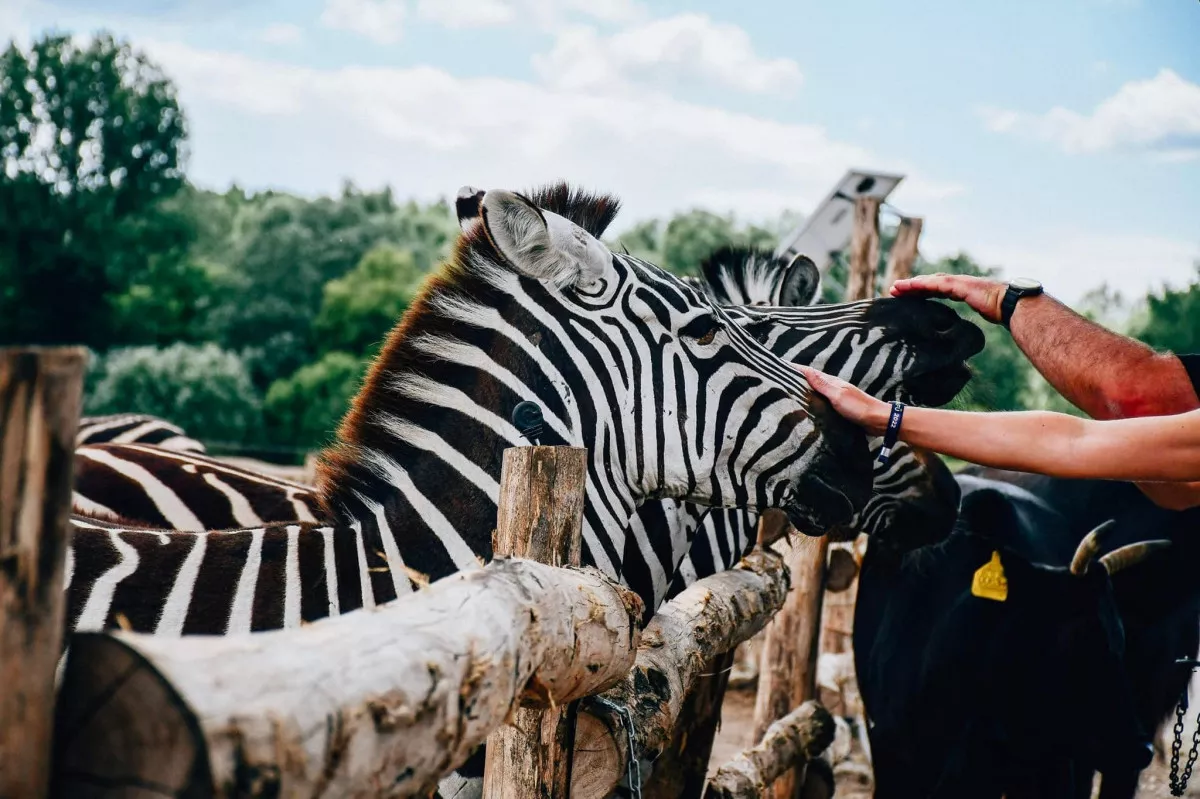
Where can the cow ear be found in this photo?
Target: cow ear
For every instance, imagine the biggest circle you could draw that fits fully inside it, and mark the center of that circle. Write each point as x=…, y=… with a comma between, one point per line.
x=801, y=282
x=542, y=245
x=988, y=514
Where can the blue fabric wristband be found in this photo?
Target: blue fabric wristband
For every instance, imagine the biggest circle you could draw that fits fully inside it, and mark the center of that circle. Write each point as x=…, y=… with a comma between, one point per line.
x=892, y=433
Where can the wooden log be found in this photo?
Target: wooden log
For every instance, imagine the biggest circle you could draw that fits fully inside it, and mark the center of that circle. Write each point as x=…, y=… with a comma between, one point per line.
x=375, y=702
x=904, y=251
x=540, y=517
x=40, y=398
x=864, y=250
x=787, y=673
x=682, y=768
x=788, y=743
x=712, y=615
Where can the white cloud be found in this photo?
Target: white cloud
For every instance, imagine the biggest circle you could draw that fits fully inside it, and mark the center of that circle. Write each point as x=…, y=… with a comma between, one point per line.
x=1159, y=115
x=466, y=13
x=1073, y=262
x=426, y=132
x=682, y=46
x=381, y=21
x=282, y=33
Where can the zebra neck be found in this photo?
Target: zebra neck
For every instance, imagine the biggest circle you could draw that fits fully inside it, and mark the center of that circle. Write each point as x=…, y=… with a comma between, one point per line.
x=418, y=459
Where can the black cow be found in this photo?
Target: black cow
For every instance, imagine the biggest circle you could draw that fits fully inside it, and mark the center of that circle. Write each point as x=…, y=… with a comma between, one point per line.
x=1160, y=608
x=975, y=697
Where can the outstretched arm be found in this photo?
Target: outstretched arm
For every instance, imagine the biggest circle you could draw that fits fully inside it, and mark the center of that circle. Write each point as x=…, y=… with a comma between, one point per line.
x=1104, y=374
x=1159, y=448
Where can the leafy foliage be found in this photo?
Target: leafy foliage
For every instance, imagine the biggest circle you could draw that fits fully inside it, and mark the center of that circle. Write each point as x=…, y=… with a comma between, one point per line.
x=360, y=307
x=201, y=388
x=305, y=408
x=1173, y=318
x=91, y=143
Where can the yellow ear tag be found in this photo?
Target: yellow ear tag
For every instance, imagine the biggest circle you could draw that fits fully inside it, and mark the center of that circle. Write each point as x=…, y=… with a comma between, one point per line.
x=989, y=581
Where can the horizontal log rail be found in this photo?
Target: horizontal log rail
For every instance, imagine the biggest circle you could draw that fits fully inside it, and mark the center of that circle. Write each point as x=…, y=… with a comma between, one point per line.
x=382, y=701
x=790, y=742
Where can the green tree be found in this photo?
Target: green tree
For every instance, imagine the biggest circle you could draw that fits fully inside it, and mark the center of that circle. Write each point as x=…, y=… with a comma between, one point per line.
x=1172, y=318
x=305, y=408
x=91, y=141
x=205, y=390
x=360, y=307
x=691, y=237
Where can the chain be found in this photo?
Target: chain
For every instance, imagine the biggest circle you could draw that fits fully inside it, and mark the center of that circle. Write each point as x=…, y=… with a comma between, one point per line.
x=1178, y=782
x=633, y=773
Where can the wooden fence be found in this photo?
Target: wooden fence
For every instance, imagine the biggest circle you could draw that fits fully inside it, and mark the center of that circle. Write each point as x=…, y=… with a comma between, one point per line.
x=377, y=702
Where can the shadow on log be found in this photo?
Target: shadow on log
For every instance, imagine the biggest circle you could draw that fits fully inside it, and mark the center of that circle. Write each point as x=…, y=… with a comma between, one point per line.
x=382, y=701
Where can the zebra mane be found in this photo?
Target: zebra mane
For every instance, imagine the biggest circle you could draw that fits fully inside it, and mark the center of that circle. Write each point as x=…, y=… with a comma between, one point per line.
x=592, y=212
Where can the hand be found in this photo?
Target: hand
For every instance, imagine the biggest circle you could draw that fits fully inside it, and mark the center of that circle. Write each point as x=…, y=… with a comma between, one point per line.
x=856, y=405
x=981, y=293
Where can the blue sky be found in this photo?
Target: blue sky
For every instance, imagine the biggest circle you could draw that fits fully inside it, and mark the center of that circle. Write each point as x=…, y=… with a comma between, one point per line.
x=1060, y=141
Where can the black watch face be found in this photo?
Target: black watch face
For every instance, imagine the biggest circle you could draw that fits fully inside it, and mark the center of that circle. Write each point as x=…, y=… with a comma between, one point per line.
x=1024, y=284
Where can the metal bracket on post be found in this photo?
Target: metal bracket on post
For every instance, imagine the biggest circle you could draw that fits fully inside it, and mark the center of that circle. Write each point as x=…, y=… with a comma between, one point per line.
x=527, y=418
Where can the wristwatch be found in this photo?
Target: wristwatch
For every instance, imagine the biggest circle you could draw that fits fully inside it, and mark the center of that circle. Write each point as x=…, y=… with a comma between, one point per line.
x=1017, y=289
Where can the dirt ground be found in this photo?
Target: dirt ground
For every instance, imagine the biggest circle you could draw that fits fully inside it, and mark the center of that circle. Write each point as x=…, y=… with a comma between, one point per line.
x=737, y=719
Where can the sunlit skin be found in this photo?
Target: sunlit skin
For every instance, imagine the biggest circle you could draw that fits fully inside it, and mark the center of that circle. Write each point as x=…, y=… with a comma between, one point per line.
x=1154, y=449
x=1104, y=374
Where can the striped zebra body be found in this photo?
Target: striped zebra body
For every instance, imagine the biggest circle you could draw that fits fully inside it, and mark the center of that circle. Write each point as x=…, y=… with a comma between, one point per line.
x=183, y=491
x=127, y=428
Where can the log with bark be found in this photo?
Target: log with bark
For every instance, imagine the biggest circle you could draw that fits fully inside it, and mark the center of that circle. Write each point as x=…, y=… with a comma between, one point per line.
x=788, y=744
x=712, y=615
x=376, y=702
x=40, y=397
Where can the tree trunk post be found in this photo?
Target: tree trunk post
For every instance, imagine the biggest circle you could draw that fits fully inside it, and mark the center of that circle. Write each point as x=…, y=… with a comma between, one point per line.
x=864, y=250
x=540, y=517
x=787, y=674
x=904, y=251
x=41, y=393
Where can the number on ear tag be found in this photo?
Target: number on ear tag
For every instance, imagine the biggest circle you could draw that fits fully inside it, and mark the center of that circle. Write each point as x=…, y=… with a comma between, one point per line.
x=989, y=581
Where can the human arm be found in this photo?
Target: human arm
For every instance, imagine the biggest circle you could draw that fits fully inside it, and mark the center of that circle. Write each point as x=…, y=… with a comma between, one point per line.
x=1104, y=374
x=1159, y=448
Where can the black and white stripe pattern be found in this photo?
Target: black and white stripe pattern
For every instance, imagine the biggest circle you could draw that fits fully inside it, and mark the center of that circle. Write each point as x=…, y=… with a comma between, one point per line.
x=128, y=428
x=183, y=491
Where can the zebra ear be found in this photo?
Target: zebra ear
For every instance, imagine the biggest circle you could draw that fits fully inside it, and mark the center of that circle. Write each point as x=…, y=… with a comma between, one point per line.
x=542, y=245
x=801, y=282
x=468, y=206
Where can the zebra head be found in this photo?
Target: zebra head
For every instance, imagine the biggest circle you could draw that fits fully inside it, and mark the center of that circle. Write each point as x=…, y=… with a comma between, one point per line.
x=662, y=384
x=913, y=350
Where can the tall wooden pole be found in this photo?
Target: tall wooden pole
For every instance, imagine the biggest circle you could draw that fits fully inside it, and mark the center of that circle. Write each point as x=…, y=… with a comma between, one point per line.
x=864, y=250
x=540, y=517
x=40, y=397
x=787, y=674
x=904, y=251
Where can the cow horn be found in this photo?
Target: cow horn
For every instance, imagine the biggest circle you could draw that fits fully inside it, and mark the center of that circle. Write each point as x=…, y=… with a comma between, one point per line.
x=1088, y=548
x=1132, y=554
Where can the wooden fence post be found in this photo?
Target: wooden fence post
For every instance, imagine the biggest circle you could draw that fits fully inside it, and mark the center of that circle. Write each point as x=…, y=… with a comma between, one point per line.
x=904, y=251
x=787, y=672
x=40, y=397
x=540, y=517
x=864, y=250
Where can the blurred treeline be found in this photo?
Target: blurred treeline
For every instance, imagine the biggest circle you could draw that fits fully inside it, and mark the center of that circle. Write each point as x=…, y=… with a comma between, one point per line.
x=248, y=318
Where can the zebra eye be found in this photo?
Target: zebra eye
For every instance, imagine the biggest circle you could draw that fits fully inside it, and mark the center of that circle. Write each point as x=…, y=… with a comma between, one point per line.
x=703, y=329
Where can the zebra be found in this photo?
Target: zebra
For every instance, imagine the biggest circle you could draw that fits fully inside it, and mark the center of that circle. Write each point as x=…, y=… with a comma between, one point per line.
x=135, y=427
x=195, y=493
x=670, y=396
